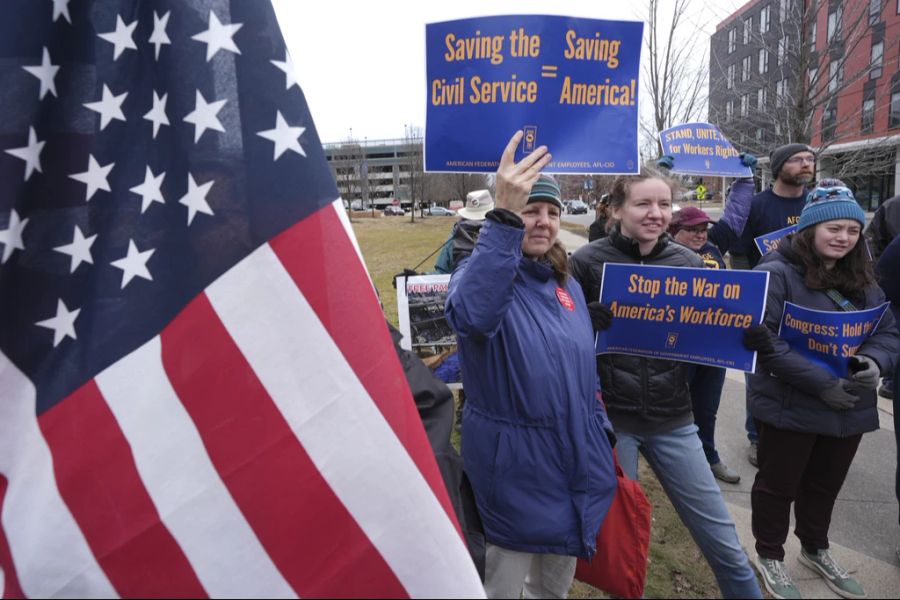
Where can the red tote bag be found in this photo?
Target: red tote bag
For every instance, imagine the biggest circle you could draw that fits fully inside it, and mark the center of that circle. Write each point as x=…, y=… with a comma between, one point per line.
x=619, y=567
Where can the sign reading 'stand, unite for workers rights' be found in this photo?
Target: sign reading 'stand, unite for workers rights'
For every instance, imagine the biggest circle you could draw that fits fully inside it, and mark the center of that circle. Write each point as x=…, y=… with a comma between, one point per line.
x=686, y=314
x=570, y=84
x=701, y=149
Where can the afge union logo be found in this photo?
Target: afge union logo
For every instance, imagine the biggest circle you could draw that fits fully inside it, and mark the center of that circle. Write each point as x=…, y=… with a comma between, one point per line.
x=529, y=142
x=671, y=340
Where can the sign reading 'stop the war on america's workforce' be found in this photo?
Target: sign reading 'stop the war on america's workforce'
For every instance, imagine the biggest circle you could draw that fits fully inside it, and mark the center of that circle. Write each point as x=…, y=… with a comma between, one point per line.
x=570, y=84
x=675, y=312
x=701, y=149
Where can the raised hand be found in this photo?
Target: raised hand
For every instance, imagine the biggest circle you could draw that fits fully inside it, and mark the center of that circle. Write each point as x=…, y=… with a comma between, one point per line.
x=514, y=180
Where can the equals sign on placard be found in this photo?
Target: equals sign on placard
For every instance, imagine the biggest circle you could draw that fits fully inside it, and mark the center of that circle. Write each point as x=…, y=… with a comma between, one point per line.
x=548, y=70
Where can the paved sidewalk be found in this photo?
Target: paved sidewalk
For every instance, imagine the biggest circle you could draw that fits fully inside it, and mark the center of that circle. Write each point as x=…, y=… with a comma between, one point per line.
x=864, y=532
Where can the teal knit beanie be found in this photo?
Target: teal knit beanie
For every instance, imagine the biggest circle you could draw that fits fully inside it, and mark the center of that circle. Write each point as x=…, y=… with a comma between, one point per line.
x=545, y=189
x=829, y=204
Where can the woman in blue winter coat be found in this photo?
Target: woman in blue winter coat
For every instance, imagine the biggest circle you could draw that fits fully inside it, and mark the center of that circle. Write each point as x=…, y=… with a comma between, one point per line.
x=810, y=422
x=534, y=433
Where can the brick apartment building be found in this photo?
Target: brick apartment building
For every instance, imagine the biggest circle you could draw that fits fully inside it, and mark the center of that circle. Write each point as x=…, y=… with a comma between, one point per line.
x=824, y=72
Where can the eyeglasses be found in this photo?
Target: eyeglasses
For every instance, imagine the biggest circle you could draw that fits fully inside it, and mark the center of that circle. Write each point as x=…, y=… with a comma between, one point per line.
x=796, y=160
x=697, y=229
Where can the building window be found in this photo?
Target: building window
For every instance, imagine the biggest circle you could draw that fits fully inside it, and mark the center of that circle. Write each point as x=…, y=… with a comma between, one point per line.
x=729, y=110
x=764, y=19
x=783, y=49
x=783, y=7
x=835, y=75
x=868, y=115
x=732, y=40
x=814, y=79
x=748, y=27
x=761, y=99
x=745, y=105
x=763, y=61
x=759, y=135
x=745, y=68
x=877, y=60
x=874, y=11
x=835, y=22
x=813, y=29
x=780, y=91
x=895, y=101
x=829, y=121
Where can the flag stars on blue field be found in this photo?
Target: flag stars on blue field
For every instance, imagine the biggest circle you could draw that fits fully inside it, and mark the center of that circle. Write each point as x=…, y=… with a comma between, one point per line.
x=287, y=65
x=204, y=117
x=121, y=38
x=151, y=190
x=159, y=36
x=46, y=73
x=11, y=237
x=195, y=199
x=157, y=114
x=75, y=243
x=218, y=36
x=61, y=9
x=284, y=136
x=134, y=264
x=31, y=153
x=109, y=107
x=79, y=250
x=63, y=324
x=95, y=177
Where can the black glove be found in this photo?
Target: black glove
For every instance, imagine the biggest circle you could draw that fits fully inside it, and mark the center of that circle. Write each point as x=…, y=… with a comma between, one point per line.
x=611, y=436
x=863, y=372
x=839, y=396
x=666, y=161
x=404, y=273
x=759, y=338
x=601, y=316
x=748, y=160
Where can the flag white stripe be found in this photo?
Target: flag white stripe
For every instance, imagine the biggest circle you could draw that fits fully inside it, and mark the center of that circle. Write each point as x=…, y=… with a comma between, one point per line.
x=51, y=554
x=342, y=430
x=184, y=485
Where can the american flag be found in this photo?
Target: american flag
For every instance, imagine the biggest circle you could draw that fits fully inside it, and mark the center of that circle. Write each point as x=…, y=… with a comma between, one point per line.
x=198, y=393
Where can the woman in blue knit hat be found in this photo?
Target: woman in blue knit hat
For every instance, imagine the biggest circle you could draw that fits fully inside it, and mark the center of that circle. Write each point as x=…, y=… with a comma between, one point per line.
x=811, y=422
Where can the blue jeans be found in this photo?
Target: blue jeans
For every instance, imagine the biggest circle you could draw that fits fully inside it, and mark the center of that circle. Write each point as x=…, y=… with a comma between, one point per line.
x=706, y=384
x=679, y=463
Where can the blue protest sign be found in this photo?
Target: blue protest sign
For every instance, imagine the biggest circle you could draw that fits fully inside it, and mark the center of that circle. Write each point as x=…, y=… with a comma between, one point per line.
x=701, y=149
x=692, y=315
x=828, y=338
x=570, y=84
x=768, y=242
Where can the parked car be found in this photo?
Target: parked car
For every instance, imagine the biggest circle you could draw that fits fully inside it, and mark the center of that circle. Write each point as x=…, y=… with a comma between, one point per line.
x=577, y=207
x=440, y=211
x=394, y=210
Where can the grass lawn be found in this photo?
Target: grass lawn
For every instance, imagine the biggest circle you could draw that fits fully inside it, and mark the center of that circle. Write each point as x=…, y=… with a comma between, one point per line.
x=677, y=569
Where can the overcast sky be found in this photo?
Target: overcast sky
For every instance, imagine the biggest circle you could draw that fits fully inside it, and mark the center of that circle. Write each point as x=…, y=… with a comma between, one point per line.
x=361, y=64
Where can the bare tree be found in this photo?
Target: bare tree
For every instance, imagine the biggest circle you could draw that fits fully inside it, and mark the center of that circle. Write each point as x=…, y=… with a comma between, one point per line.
x=791, y=74
x=674, y=78
x=347, y=167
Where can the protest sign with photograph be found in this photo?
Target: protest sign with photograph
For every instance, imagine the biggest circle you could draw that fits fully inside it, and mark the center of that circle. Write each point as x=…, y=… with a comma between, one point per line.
x=566, y=82
x=674, y=312
x=701, y=149
x=420, y=309
x=828, y=338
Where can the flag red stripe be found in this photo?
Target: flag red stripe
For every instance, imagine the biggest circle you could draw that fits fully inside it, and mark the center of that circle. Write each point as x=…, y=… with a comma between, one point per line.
x=323, y=263
x=99, y=482
x=289, y=506
x=11, y=587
